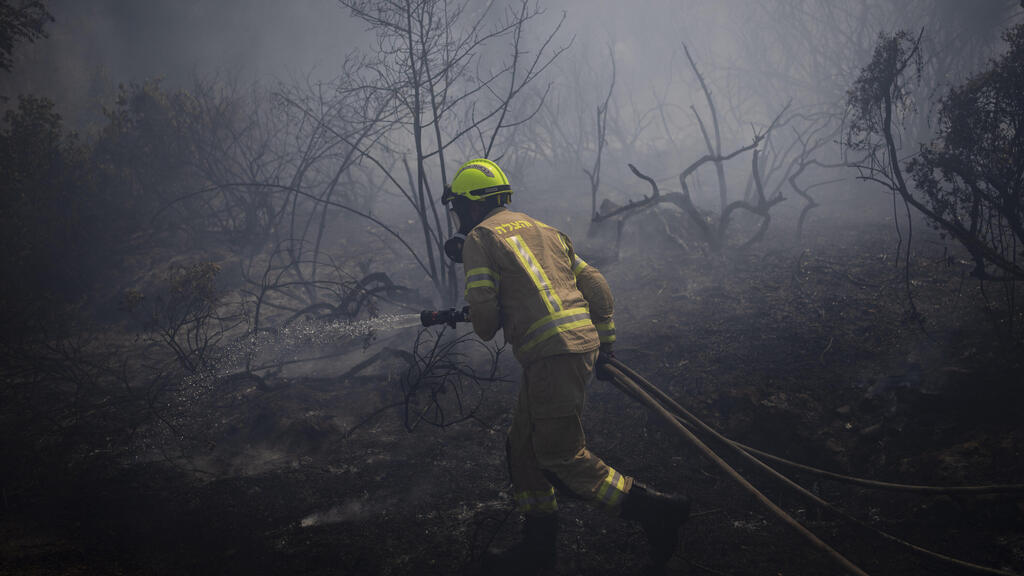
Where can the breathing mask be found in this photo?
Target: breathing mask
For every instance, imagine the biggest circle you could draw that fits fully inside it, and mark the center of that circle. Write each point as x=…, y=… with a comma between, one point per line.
x=453, y=246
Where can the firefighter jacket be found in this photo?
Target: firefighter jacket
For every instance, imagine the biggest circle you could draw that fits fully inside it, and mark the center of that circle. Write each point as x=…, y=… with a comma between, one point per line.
x=523, y=276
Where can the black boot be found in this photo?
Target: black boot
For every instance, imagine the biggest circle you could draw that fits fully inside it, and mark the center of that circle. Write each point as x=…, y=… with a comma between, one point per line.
x=537, y=550
x=660, y=516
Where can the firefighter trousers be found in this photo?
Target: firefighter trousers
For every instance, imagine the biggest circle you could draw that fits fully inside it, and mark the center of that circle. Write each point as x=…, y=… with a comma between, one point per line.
x=546, y=444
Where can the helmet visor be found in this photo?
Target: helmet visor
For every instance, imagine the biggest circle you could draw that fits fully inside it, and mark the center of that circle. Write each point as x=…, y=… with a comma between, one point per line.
x=455, y=217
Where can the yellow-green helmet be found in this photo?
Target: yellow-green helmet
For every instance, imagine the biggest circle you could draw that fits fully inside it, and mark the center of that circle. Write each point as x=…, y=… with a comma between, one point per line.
x=476, y=180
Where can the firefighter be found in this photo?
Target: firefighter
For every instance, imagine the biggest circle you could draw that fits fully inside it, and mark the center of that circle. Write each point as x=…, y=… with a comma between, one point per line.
x=524, y=277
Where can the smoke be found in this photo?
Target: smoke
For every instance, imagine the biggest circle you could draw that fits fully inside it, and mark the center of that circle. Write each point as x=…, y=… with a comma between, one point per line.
x=350, y=511
x=95, y=45
x=755, y=56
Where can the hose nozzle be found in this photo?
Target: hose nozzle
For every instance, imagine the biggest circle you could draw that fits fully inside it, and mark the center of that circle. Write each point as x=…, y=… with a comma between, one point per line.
x=450, y=316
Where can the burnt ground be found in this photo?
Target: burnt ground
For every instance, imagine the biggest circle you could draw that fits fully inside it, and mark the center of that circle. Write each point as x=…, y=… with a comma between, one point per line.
x=804, y=350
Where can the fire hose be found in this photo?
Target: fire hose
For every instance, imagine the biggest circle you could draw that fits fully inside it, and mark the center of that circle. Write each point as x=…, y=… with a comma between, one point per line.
x=640, y=389
x=637, y=387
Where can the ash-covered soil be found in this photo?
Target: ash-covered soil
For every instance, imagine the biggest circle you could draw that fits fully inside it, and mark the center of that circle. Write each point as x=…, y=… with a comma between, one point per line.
x=809, y=351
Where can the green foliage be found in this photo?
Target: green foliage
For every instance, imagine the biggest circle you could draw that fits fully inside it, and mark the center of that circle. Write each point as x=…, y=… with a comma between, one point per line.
x=206, y=162
x=968, y=181
x=49, y=212
x=71, y=210
x=972, y=174
x=144, y=154
x=20, y=20
x=881, y=89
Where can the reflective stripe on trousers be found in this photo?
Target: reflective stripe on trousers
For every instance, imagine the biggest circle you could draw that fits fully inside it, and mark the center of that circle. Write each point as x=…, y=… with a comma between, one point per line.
x=533, y=501
x=612, y=488
x=546, y=440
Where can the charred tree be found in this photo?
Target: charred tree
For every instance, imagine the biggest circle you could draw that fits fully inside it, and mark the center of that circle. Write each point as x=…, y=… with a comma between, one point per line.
x=430, y=66
x=711, y=233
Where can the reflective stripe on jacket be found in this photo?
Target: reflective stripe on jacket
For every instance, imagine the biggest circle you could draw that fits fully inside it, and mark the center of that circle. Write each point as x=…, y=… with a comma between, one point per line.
x=523, y=276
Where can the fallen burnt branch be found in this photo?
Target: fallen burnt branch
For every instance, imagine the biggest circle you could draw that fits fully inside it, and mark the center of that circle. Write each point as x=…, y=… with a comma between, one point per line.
x=803, y=191
x=623, y=213
x=811, y=134
x=761, y=208
x=713, y=234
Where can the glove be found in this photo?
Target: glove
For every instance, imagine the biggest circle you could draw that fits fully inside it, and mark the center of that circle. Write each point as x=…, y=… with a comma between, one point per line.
x=459, y=316
x=604, y=356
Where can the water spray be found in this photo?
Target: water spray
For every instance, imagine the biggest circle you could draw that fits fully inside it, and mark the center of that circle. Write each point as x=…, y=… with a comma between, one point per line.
x=293, y=341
